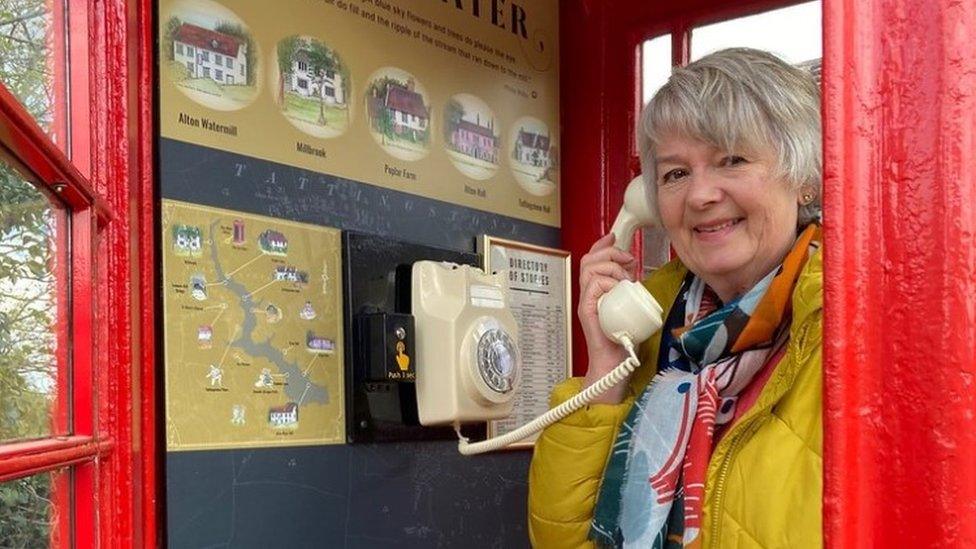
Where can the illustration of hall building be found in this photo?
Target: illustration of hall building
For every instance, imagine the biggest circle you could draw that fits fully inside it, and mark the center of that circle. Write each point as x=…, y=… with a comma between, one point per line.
x=283, y=416
x=475, y=140
x=532, y=149
x=210, y=54
x=302, y=81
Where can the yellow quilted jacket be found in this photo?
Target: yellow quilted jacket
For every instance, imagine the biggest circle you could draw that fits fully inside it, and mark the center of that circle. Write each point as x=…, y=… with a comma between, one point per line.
x=765, y=475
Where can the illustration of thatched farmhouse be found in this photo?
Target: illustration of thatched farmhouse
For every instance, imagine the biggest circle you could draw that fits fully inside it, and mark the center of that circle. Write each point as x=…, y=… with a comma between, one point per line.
x=304, y=83
x=476, y=140
x=532, y=149
x=210, y=54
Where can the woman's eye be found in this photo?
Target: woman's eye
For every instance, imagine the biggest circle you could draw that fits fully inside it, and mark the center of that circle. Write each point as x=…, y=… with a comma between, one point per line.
x=733, y=160
x=674, y=175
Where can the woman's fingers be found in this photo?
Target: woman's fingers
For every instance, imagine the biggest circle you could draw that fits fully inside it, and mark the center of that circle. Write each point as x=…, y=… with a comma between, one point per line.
x=591, y=293
x=607, y=268
x=603, y=250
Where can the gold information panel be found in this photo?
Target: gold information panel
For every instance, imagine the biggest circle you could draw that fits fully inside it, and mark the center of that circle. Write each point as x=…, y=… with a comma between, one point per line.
x=252, y=330
x=539, y=297
x=456, y=101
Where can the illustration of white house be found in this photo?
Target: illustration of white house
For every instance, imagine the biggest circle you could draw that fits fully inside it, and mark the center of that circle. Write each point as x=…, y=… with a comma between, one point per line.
x=303, y=82
x=407, y=108
x=283, y=416
x=532, y=149
x=210, y=54
x=187, y=240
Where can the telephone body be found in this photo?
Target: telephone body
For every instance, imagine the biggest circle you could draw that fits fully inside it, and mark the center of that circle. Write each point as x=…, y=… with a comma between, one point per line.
x=468, y=362
x=469, y=367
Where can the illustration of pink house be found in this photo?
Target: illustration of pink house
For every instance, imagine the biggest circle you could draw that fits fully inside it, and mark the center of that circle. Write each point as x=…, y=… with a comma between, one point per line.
x=475, y=140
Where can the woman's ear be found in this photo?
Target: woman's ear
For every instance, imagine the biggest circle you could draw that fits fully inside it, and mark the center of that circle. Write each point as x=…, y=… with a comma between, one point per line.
x=806, y=195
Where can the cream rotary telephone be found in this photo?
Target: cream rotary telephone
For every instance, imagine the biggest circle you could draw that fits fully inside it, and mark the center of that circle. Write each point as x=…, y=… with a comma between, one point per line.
x=462, y=320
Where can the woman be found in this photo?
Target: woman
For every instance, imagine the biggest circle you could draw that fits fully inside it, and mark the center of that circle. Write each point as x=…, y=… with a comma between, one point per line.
x=723, y=449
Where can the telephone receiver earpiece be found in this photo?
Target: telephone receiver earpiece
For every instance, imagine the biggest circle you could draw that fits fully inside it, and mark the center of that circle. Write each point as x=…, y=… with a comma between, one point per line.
x=635, y=214
x=628, y=310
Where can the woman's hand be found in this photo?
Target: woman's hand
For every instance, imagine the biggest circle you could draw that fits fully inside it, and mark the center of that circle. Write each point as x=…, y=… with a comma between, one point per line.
x=600, y=270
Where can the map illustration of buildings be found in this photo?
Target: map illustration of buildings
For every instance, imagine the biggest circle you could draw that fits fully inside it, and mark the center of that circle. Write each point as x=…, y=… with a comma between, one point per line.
x=254, y=358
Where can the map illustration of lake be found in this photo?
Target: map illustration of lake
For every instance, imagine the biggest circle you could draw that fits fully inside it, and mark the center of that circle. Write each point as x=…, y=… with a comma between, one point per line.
x=253, y=330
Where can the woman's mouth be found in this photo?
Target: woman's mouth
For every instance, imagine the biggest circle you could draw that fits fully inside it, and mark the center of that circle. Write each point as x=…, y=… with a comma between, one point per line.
x=716, y=229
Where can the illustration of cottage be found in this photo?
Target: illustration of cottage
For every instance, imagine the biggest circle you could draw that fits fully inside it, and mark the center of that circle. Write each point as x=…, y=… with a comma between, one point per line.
x=187, y=240
x=210, y=54
x=532, y=149
x=476, y=140
x=272, y=242
x=290, y=274
x=319, y=345
x=284, y=417
x=302, y=81
x=403, y=105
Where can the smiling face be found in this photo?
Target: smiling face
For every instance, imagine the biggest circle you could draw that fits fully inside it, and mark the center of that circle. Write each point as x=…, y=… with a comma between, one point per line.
x=730, y=219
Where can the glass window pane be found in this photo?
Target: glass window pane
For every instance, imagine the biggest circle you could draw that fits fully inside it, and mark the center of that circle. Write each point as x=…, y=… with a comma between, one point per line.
x=794, y=33
x=656, y=57
x=32, y=60
x=34, y=509
x=33, y=305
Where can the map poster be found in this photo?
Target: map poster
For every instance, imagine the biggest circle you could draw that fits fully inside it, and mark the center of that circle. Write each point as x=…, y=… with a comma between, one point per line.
x=539, y=297
x=252, y=330
x=452, y=100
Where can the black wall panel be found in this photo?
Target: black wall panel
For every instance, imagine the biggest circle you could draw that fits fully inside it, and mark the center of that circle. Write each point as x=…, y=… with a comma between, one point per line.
x=421, y=494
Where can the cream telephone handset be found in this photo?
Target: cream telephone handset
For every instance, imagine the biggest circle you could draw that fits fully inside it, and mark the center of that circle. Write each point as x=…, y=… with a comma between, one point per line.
x=629, y=309
x=469, y=366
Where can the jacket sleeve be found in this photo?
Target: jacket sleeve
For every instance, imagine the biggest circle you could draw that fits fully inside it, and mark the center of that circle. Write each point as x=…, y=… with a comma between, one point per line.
x=567, y=468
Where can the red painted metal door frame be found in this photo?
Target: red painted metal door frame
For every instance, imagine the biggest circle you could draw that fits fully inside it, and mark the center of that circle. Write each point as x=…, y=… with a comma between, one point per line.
x=900, y=273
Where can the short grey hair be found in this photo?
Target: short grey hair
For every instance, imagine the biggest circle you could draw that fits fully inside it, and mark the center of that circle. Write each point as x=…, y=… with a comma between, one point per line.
x=741, y=99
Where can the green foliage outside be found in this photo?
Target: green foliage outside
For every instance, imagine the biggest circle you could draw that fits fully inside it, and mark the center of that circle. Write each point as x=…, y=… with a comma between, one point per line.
x=24, y=68
x=25, y=506
x=26, y=349
x=26, y=307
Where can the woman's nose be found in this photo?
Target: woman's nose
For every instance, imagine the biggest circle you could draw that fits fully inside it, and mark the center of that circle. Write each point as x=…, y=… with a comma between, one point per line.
x=704, y=190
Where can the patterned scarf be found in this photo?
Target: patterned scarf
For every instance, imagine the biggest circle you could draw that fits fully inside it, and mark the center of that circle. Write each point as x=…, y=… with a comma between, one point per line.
x=654, y=484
